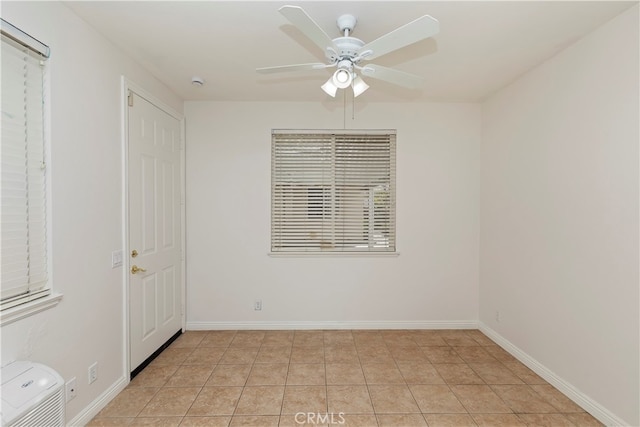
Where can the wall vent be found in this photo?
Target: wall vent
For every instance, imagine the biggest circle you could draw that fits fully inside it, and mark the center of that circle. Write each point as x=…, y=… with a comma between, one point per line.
x=32, y=396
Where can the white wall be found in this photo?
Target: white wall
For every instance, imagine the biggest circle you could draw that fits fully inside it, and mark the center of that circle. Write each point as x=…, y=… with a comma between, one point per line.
x=86, y=177
x=559, y=215
x=435, y=278
x=558, y=238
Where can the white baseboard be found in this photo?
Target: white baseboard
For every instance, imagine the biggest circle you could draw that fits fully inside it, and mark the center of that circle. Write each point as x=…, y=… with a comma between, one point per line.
x=98, y=404
x=288, y=325
x=585, y=402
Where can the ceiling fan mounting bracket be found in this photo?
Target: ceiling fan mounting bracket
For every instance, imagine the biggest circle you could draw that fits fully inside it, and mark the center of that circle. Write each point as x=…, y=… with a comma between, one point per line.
x=346, y=22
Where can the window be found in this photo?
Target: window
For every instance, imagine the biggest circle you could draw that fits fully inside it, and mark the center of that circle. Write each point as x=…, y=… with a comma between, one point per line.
x=23, y=229
x=333, y=191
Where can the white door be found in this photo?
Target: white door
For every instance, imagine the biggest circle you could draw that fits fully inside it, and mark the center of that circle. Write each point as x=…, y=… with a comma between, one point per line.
x=155, y=243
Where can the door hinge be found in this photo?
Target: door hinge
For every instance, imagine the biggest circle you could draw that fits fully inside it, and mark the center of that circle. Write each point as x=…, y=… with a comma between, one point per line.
x=130, y=99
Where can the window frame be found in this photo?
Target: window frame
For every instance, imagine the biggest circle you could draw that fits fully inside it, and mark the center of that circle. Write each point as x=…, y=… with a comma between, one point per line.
x=331, y=192
x=45, y=297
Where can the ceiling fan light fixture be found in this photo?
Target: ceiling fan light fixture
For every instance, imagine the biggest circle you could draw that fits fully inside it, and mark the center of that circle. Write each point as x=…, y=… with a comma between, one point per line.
x=342, y=78
x=346, y=52
x=329, y=88
x=359, y=86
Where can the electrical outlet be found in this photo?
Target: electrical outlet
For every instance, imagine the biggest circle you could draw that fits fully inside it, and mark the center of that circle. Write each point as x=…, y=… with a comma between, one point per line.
x=70, y=389
x=93, y=372
x=257, y=305
x=498, y=316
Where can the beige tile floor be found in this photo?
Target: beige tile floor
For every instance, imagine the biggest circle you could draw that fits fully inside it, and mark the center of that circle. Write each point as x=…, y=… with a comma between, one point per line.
x=349, y=378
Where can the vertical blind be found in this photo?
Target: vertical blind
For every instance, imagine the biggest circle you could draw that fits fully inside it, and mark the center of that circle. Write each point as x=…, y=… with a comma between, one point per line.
x=22, y=168
x=333, y=191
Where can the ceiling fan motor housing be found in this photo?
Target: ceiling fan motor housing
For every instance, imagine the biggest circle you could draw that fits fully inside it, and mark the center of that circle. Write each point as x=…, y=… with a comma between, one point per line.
x=348, y=48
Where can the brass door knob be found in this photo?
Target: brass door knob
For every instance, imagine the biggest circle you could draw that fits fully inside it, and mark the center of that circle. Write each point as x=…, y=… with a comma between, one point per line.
x=135, y=269
x=134, y=253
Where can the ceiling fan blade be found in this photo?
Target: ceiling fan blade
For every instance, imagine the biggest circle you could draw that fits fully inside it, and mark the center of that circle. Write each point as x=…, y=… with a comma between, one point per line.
x=298, y=17
x=294, y=67
x=420, y=29
x=400, y=78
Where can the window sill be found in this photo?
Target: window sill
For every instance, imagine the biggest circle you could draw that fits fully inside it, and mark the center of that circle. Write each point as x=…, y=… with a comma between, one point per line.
x=25, y=310
x=328, y=254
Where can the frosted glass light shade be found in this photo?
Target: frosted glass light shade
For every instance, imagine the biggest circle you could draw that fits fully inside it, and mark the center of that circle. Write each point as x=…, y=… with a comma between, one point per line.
x=342, y=78
x=330, y=88
x=359, y=86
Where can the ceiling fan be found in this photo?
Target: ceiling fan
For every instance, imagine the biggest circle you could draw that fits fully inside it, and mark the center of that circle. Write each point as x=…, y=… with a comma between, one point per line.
x=346, y=52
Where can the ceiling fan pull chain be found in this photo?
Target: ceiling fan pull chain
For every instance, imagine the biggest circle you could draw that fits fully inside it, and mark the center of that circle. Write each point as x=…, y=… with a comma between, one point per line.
x=353, y=106
x=344, y=109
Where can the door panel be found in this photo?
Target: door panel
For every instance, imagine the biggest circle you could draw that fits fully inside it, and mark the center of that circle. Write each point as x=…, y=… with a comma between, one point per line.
x=149, y=304
x=155, y=292
x=169, y=288
x=147, y=216
x=168, y=202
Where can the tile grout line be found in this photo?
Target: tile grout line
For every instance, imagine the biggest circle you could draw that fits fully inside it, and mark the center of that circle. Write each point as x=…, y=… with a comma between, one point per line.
x=458, y=350
x=201, y=388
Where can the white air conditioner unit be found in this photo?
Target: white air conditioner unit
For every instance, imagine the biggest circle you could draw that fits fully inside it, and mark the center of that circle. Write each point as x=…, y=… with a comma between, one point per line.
x=32, y=395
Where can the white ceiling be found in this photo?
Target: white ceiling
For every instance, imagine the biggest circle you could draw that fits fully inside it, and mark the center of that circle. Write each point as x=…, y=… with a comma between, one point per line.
x=482, y=46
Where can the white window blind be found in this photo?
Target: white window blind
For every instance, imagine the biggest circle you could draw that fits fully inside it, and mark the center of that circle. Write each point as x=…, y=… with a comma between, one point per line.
x=333, y=191
x=22, y=166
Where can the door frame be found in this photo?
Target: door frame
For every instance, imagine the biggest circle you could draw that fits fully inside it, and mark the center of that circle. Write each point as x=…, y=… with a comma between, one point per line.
x=129, y=86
